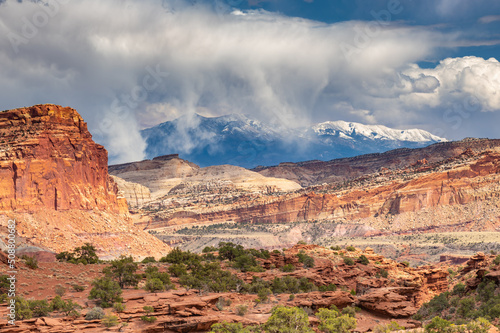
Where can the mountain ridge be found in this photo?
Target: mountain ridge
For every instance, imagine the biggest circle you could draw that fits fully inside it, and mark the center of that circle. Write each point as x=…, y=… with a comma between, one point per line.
x=239, y=140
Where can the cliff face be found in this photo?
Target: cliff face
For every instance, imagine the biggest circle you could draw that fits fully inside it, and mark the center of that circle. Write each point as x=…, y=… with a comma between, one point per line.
x=54, y=183
x=48, y=160
x=379, y=200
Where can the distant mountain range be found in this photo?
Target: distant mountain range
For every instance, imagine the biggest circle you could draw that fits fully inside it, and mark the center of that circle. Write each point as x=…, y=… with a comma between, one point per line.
x=239, y=140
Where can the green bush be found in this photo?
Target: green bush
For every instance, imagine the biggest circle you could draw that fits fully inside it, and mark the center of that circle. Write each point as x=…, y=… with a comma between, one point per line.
x=335, y=248
x=305, y=259
x=178, y=270
x=466, y=307
x=57, y=303
x=496, y=261
x=226, y=327
x=95, y=313
x=110, y=320
x=39, y=308
x=31, y=262
x=331, y=321
x=459, y=289
x=363, y=260
x=241, y=310
x=287, y=320
x=288, y=268
x=438, y=325
x=154, y=285
x=118, y=306
x=348, y=261
x=71, y=308
x=350, y=248
x=78, y=288
x=60, y=290
x=387, y=328
x=123, y=271
x=23, y=310
x=106, y=292
x=384, y=273
x=85, y=254
x=148, y=260
x=330, y=287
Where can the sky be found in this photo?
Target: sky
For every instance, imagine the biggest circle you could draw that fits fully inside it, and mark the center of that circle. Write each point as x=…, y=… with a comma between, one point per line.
x=126, y=65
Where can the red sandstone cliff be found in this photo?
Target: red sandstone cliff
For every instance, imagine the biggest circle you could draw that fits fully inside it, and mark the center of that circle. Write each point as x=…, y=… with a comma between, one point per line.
x=48, y=159
x=377, y=200
x=54, y=181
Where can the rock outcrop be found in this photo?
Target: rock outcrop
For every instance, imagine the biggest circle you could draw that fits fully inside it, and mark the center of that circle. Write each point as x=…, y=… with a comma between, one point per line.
x=48, y=160
x=54, y=183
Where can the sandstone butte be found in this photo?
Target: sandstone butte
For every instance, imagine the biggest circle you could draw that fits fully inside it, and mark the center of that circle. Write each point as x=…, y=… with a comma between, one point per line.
x=54, y=182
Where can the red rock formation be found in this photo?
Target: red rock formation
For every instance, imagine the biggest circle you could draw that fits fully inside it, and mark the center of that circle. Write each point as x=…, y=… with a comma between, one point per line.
x=461, y=185
x=48, y=160
x=54, y=183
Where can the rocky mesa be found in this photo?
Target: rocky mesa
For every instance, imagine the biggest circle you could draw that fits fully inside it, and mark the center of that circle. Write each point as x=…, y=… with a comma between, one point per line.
x=54, y=182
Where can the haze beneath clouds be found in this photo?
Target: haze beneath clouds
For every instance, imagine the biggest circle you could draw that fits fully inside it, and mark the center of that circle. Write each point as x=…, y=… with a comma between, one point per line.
x=127, y=65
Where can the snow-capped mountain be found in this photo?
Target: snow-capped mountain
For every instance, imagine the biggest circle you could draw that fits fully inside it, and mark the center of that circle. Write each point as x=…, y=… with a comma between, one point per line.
x=239, y=140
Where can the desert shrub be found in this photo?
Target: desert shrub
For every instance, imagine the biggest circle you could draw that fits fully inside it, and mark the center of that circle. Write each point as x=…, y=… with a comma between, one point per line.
x=110, y=320
x=465, y=307
x=496, y=261
x=70, y=308
x=305, y=285
x=438, y=325
x=263, y=295
x=244, y=262
x=384, y=273
x=208, y=249
x=230, y=251
x=39, y=308
x=288, y=268
x=331, y=321
x=154, y=285
x=31, y=262
x=305, y=259
x=241, y=310
x=148, y=260
x=57, y=303
x=4, y=284
x=330, y=287
x=226, y=327
x=95, y=313
x=405, y=263
x=85, y=254
x=480, y=325
x=23, y=309
x=287, y=320
x=363, y=260
x=335, y=248
x=148, y=318
x=78, y=288
x=350, y=248
x=177, y=256
x=153, y=273
x=60, y=290
x=118, y=306
x=222, y=302
x=386, y=328
x=459, y=289
x=350, y=311
x=178, y=270
x=348, y=261
x=210, y=277
x=106, y=292
x=123, y=271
